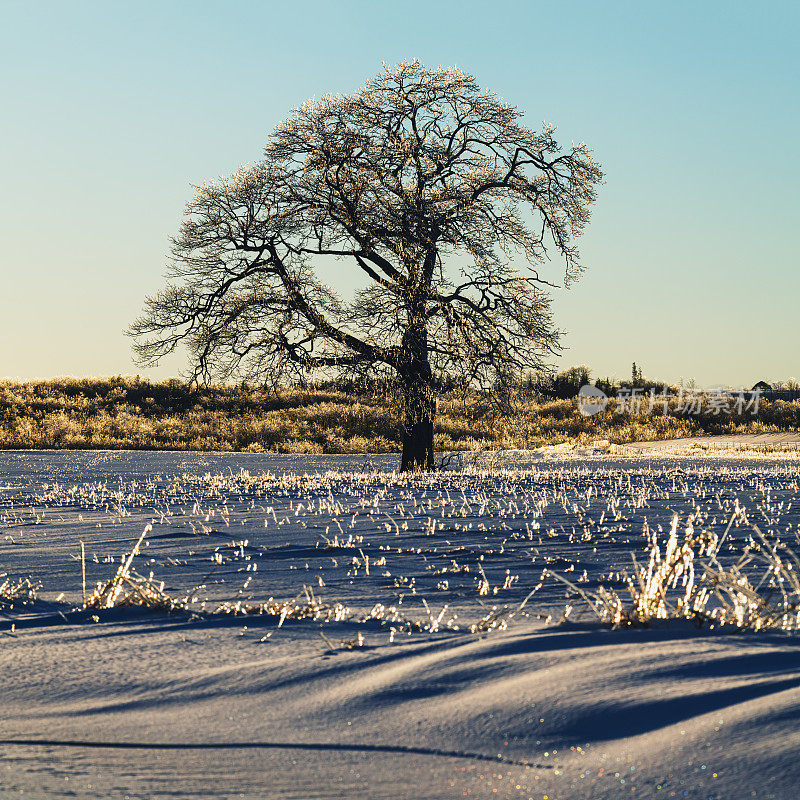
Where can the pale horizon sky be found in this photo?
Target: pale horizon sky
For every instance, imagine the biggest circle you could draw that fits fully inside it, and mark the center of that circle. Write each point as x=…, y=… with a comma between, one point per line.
x=111, y=111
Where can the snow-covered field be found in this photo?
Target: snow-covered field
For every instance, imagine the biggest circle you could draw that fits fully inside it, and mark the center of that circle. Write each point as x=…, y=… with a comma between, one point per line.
x=394, y=696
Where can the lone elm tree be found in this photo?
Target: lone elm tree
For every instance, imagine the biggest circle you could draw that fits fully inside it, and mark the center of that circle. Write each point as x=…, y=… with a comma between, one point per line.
x=434, y=192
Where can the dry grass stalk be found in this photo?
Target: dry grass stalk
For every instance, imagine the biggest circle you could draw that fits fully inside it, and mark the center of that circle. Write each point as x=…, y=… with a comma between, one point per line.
x=760, y=591
x=350, y=543
x=20, y=591
x=128, y=588
x=481, y=459
x=498, y=618
x=304, y=606
x=135, y=590
x=773, y=603
x=83, y=572
x=344, y=644
x=392, y=616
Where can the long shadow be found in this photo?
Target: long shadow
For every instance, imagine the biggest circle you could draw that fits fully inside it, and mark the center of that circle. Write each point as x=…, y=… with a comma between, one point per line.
x=615, y=722
x=334, y=747
x=207, y=688
x=570, y=636
x=726, y=666
x=54, y=615
x=573, y=636
x=591, y=724
x=154, y=537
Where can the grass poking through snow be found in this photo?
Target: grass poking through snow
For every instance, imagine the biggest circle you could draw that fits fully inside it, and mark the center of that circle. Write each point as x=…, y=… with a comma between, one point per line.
x=685, y=579
x=127, y=588
x=18, y=592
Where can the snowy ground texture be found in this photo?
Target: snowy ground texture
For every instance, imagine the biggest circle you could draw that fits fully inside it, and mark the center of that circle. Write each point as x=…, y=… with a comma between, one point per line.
x=136, y=704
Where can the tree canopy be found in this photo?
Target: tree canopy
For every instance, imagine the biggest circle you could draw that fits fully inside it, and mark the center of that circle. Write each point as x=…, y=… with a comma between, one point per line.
x=433, y=190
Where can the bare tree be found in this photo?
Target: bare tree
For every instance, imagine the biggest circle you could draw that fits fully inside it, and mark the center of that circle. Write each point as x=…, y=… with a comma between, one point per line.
x=429, y=187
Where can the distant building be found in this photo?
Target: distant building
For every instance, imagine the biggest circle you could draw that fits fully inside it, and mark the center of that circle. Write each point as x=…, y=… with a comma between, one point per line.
x=761, y=386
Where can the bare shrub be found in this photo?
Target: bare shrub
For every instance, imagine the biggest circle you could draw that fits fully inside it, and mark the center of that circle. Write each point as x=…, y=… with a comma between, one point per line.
x=128, y=413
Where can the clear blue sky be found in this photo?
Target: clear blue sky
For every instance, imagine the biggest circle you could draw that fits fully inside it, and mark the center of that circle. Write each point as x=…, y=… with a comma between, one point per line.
x=110, y=110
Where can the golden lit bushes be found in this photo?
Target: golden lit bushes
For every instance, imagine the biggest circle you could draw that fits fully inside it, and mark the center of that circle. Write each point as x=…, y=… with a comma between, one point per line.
x=132, y=413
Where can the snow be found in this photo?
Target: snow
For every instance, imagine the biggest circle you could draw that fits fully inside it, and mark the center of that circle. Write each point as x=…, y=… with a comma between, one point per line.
x=784, y=442
x=149, y=705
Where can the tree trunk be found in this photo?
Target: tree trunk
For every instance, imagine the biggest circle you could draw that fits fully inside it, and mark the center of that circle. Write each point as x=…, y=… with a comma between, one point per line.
x=417, y=425
x=419, y=404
